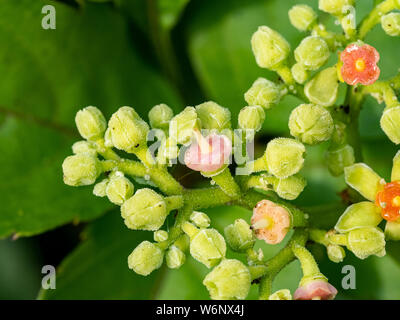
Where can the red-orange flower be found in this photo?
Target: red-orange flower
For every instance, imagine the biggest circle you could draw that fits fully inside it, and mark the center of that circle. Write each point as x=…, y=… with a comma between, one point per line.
x=389, y=201
x=359, y=64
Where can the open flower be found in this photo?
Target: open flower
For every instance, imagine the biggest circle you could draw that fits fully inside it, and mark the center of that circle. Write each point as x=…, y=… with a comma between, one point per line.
x=270, y=221
x=359, y=64
x=384, y=199
x=315, y=290
x=208, y=154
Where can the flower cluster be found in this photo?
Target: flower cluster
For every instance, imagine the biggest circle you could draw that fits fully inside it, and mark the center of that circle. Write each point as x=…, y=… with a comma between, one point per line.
x=117, y=158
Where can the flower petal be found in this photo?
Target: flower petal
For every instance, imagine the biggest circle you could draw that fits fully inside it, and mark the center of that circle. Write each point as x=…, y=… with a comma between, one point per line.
x=363, y=179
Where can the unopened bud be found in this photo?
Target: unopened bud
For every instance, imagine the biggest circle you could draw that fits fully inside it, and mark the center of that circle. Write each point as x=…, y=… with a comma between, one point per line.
x=312, y=52
x=160, y=116
x=91, y=123
x=183, y=124
x=81, y=169
x=200, y=219
x=175, y=258
x=302, y=17
x=239, y=236
x=119, y=189
x=339, y=158
x=263, y=93
x=213, y=116
x=323, y=88
x=390, y=123
x=146, y=258
x=364, y=242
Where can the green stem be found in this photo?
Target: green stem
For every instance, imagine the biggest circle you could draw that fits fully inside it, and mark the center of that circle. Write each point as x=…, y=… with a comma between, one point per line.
x=278, y=262
x=308, y=264
x=319, y=236
x=174, y=202
x=375, y=15
x=226, y=182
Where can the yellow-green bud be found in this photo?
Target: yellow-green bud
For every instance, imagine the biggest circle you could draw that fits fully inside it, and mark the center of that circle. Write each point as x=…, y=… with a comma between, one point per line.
x=302, y=17
x=128, y=130
x=168, y=150
x=391, y=24
x=283, y=294
x=160, y=235
x=91, y=123
x=147, y=210
x=229, y=280
x=213, y=116
x=288, y=188
x=160, y=116
x=84, y=147
x=175, y=257
x=334, y=7
x=183, y=124
x=299, y=73
x=311, y=124
x=146, y=258
x=363, y=179
x=239, y=236
x=206, y=245
x=119, y=189
x=364, y=242
x=81, y=169
x=264, y=93
x=99, y=189
x=339, y=158
x=392, y=230
x=335, y=253
x=323, y=88
x=200, y=219
x=312, y=52
x=390, y=123
x=358, y=215
x=284, y=157
x=270, y=48
x=251, y=118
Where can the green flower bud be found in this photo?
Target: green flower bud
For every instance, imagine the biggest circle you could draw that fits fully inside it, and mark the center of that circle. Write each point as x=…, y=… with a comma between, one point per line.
x=311, y=124
x=107, y=139
x=391, y=24
x=175, y=257
x=160, y=116
x=334, y=7
x=146, y=258
x=251, y=118
x=206, y=245
x=396, y=166
x=269, y=47
x=364, y=242
x=229, y=280
x=302, y=17
x=239, y=236
x=160, y=235
x=312, y=52
x=290, y=187
x=182, y=125
x=392, y=230
x=200, y=219
x=358, y=215
x=363, y=179
x=84, y=147
x=339, y=158
x=128, y=130
x=390, y=123
x=335, y=253
x=283, y=294
x=147, y=210
x=81, y=169
x=299, y=73
x=167, y=151
x=284, y=157
x=99, y=189
x=119, y=189
x=323, y=88
x=213, y=116
x=264, y=93
x=91, y=123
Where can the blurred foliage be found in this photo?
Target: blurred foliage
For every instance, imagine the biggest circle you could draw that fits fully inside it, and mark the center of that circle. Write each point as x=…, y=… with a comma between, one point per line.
x=140, y=53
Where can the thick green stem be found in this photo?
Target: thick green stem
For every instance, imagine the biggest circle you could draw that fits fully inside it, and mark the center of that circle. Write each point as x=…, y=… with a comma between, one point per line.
x=227, y=183
x=308, y=264
x=278, y=262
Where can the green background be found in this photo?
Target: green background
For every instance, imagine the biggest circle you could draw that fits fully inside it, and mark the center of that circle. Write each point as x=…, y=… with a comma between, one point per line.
x=128, y=52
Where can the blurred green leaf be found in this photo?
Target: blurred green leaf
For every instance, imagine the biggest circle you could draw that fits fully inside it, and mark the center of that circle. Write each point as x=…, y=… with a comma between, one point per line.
x=98, y=268
x=47, y=75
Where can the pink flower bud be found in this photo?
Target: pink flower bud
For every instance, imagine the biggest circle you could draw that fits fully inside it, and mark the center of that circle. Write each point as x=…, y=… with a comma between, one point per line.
x=315, y=290
x=359, y=64
x=270, y=221
x=208, y=154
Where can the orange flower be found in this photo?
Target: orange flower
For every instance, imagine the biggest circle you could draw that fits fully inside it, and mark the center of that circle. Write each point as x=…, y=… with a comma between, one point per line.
x=359, y=64
x=389, y=201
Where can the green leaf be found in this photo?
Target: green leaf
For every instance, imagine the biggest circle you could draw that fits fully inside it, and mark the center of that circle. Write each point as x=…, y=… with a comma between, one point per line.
x=98, y=268
x=46, y=77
